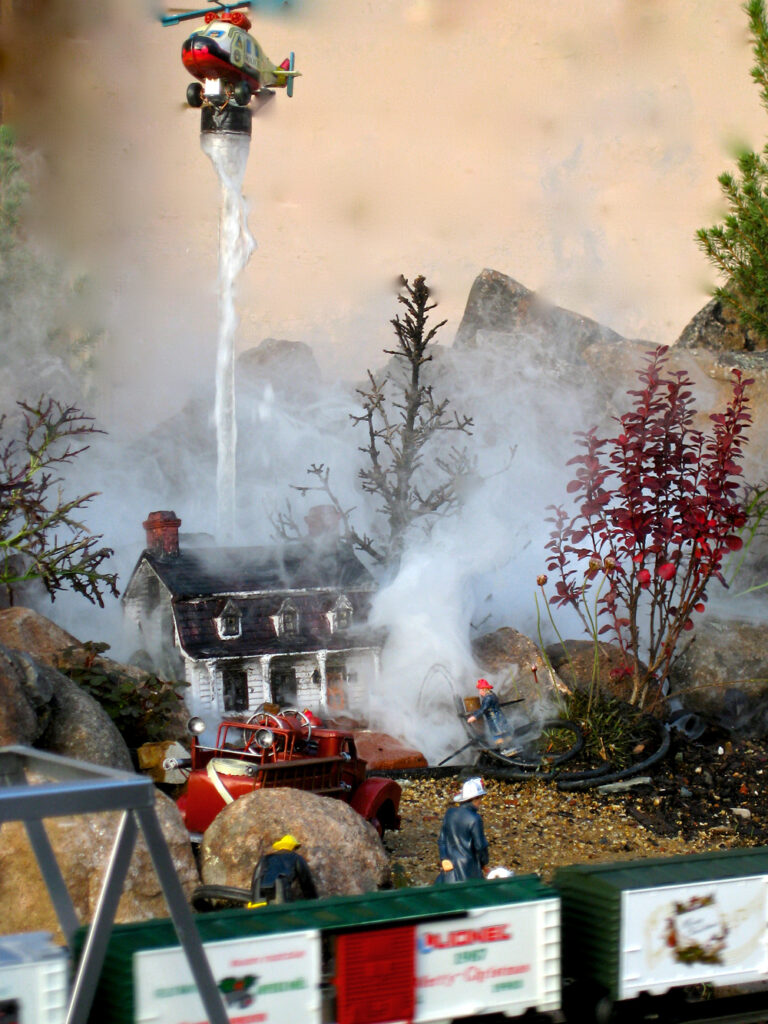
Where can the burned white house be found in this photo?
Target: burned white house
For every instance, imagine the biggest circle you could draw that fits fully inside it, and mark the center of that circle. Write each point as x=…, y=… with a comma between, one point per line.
x=285, y=624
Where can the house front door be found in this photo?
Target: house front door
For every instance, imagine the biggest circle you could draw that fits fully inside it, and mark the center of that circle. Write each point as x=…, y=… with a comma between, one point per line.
x=283, y=681
x=235, y=689
x=336, y=689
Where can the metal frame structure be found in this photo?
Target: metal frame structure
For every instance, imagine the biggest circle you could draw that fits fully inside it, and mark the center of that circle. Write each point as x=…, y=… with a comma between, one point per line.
x=77, y=787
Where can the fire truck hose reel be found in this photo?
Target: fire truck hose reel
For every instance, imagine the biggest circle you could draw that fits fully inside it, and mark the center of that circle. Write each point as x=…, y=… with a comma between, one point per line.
x=226, y=766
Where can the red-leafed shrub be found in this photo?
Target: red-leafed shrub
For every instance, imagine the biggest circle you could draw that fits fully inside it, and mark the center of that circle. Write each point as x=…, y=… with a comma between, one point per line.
x=658, y=507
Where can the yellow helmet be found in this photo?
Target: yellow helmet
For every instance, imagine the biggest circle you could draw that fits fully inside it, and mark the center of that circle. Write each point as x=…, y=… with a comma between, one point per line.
x=288, y=842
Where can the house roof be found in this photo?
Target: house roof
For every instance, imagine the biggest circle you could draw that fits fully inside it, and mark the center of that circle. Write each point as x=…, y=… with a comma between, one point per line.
x=202, y=580
x=199, y=638
x=300, y=565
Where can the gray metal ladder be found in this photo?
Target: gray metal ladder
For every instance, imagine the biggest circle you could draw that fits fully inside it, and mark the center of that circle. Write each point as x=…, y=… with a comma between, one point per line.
x=78, y=787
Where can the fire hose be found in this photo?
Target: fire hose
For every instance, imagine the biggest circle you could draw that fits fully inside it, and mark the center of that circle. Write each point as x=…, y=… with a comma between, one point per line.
x=227, y=766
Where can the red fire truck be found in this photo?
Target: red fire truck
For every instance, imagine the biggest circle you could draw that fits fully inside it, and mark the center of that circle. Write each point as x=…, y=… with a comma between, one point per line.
x=280, y=747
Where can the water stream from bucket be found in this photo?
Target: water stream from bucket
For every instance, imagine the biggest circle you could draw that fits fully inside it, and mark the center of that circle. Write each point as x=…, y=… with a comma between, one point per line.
x=229, y=156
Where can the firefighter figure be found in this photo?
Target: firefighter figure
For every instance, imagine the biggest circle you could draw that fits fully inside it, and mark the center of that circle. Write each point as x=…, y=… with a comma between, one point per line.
x=462, y=844
x=282, y=875
x=496, y=720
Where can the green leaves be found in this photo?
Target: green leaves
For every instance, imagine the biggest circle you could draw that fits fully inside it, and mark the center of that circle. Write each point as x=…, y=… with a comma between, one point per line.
x=141, y=709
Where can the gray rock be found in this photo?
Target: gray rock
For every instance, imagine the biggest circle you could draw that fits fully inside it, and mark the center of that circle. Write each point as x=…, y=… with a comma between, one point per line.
x=501, y=305
x=574, y=662
x=42, y=708
x=343, y=851
x=716, y=326
x=80, y=728
x=23, y=702
x=82, y=845
x=723, y=676
x=288, y=367
x=509, y=658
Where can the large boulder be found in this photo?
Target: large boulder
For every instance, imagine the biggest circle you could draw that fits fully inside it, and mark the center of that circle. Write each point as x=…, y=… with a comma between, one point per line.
x=288, y=368
x=514, y=665
x=82, y=845
x=80, y=728
x=716, y=326
x=499, y=305
x=24, y=702
x=574, y=662
x=42, y=708
x=344, y=852
x=723, y=676
x=28, y=630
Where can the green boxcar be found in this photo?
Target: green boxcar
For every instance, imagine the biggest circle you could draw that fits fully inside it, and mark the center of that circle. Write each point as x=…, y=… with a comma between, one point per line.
x=115, y=1000
x=660, y=924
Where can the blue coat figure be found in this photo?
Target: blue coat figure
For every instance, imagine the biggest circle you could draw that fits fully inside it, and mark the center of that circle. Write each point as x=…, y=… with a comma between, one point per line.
x=498, y=726
x=462, y=843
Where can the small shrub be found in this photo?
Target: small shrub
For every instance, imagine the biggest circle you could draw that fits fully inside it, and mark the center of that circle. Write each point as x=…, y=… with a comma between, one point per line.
x=141, y=710
x=658, y=508
x=612, y=729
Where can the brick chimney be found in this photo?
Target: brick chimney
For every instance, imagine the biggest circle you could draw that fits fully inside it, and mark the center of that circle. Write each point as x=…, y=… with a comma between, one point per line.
x=162, y=534
x=322, y=521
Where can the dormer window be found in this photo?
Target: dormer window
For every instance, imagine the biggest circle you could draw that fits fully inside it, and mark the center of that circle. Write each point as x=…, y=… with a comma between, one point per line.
x=229, y=624
x=287, y=619
x=340, y=616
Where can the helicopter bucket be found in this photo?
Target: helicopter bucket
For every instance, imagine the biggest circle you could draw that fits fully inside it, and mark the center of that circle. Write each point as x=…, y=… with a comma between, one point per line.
x=231, y=120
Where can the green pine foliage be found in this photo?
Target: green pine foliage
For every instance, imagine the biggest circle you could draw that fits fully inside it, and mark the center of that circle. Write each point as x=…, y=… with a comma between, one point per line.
x=738, y=247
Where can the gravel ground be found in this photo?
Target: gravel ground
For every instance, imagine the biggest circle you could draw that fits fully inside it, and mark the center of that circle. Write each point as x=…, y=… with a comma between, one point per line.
x=708, y=795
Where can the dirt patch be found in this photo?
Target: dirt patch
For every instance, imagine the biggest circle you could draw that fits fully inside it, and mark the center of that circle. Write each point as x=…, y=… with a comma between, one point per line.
x=709, y=795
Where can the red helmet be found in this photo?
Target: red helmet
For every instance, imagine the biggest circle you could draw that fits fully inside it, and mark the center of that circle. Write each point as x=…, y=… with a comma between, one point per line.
x=483, y=684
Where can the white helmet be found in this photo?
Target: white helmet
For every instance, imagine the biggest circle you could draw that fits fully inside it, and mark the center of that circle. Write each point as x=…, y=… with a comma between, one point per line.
x=471, y=789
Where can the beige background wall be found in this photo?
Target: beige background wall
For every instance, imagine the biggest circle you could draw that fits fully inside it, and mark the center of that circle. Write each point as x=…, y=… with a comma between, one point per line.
x=573, y=145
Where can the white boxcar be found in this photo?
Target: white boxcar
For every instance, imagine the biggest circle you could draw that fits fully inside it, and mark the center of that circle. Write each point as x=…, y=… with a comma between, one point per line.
x=33, y=979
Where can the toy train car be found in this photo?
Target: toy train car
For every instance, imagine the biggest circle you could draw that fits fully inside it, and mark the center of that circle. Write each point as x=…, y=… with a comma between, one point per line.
x=638, y=938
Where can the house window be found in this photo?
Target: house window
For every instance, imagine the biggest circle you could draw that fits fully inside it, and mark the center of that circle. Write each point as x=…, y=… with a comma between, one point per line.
x=340, y=616
x=287, y=619
x=229, y=623
x=235, y=689
x=283, y=681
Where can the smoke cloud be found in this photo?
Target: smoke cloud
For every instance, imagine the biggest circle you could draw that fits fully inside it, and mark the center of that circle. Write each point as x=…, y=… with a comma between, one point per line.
x=573, y=147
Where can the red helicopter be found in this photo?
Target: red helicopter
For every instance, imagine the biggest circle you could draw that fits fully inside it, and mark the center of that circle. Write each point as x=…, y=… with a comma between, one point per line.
x=228, y=62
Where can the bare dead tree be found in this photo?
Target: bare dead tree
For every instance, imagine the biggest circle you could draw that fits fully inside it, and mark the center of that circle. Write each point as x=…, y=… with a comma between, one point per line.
x=41, y=536
x=401, y=418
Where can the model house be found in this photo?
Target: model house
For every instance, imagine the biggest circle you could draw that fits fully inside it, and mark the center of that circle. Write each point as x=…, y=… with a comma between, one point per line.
x=285, y=624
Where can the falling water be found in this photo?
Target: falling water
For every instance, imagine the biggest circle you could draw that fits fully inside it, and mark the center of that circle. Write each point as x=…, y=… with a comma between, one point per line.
x=229, y=156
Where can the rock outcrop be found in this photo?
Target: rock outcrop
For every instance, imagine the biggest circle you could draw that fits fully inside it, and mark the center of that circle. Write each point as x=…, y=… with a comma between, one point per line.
x=27, y=630
x=723, y=676
x=499, y=305
x=343, y=851
x=42, y=708
x=513, y=663
x=574, y=662
x=716, y=327
x=82, y=845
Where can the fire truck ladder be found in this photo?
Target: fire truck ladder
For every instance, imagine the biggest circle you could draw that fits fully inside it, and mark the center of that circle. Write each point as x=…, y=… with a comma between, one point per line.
x=81, y=788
